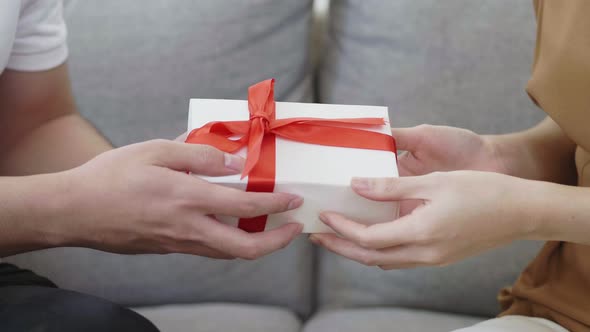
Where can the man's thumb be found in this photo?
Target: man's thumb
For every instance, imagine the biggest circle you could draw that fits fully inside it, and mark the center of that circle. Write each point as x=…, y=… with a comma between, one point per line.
x=195, y=158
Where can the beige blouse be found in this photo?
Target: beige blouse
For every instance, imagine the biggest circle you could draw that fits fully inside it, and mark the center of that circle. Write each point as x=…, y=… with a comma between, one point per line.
x=556, y=285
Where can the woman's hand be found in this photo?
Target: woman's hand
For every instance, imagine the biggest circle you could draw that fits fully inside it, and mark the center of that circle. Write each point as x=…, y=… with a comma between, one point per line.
x=463, y=213
x=439, y=148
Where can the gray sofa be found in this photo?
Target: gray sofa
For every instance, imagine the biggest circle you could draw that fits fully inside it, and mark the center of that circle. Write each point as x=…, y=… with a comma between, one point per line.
x=456, y=62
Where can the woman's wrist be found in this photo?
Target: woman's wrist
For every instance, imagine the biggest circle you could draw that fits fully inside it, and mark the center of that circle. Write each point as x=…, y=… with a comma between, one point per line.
x=508, y=154
x=567, y=216
x=541, y=153
x=553, y=212
x=544, y=204
x=530, y=201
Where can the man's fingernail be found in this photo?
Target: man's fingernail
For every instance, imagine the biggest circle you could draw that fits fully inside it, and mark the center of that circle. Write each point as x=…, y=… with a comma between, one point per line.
x=314, y=239
x=297, y=226
x=300, y=228
x=360, y=184
x=324, y=218
x=295, y=203
x=234, y=162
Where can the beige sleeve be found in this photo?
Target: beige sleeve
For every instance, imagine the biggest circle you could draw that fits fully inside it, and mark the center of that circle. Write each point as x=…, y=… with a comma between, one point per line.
x=560, y=81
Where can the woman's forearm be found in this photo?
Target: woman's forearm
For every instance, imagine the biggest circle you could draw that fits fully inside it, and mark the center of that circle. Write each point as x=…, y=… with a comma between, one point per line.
x=542, y=153
x=558, y=212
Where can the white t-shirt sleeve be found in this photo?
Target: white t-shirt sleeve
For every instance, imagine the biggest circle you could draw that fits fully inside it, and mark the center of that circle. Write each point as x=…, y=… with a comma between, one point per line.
x=40, y=41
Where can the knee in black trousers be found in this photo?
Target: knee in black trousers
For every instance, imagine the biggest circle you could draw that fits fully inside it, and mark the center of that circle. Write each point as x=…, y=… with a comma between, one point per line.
x=45, y=309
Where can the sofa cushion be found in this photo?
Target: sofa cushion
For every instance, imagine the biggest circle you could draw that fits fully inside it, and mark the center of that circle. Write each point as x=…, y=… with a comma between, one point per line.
x=386, y=319
x=134, y=67
x=221, y=317
x=468, y=287
x=281, y=279
x=458, y=62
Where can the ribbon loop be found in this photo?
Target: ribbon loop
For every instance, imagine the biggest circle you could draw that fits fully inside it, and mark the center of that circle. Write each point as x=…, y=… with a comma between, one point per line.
x=260, y=115
x=261, y=105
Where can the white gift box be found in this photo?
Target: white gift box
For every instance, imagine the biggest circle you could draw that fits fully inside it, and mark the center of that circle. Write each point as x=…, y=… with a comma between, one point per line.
x=319, y=174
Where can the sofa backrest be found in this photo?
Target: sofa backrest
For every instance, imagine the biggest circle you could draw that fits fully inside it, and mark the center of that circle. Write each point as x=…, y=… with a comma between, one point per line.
x=454, y=62
x=134, y=66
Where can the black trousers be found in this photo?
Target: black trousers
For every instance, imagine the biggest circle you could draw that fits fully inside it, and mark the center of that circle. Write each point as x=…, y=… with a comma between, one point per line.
x=29, y=302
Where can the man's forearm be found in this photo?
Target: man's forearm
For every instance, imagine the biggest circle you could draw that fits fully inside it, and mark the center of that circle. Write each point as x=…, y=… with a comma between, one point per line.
x=541, y=153
x=62, y=143
x=40, y=130
x=31, y=208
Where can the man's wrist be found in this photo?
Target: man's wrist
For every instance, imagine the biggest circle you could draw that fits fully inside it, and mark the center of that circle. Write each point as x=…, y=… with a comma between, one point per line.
x=51, y=208
x=34, y=213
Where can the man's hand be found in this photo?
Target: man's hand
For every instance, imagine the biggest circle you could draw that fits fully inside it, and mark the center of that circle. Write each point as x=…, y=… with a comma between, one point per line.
x=464, y=213
x=139, y=199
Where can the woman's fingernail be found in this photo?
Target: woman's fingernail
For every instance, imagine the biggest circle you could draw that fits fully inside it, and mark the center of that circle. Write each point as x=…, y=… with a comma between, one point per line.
x=234, y=162
x=314, y=239
x=324, y=218
x=360, y=184
x=295, y=203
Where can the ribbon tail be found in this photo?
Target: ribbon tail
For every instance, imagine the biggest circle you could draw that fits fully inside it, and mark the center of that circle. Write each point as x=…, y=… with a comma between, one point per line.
x=261, y=179
x=337, y=137
x=217, y=134
x=255, y=140
x=343, y=122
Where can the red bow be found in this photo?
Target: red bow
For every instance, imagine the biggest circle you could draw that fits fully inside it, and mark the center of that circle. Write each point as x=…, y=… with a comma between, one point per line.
x=259, y=135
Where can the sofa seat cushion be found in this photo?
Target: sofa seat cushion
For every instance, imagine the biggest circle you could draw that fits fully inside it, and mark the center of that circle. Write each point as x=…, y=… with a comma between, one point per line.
x=469, y=287
x=221, y=317
x=280, y=279
x=387, y=319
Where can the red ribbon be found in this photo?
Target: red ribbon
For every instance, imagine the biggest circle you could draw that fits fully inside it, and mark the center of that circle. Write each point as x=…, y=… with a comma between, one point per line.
x=260, y=132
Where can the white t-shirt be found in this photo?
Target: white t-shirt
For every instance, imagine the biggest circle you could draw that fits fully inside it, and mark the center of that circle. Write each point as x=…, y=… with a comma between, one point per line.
x=32, y=34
